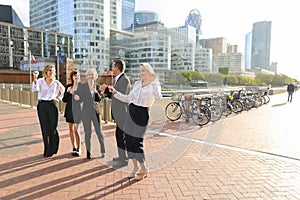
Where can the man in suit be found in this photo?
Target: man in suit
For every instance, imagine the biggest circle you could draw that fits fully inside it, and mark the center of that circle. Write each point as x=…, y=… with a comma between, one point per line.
x=119, y=109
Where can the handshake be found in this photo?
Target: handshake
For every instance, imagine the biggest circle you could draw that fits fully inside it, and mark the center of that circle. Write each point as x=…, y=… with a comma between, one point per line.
x=110, y=88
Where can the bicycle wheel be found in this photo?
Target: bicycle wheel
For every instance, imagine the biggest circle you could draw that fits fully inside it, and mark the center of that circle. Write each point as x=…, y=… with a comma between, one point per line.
x=237, y=106
x=173, y=111
x=216, y=112
x=266, y=98
x=227, y=109
x=201, y=115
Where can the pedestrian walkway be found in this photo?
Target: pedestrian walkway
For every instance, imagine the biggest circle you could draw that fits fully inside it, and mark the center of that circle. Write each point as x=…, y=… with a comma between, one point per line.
x=254, y=155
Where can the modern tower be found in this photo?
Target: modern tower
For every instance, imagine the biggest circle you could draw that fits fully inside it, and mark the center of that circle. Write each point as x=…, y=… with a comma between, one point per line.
x=128, y=7
x=194, y=19
x=8, y=15
x=261, y=43
x=89, y=22
x=144, y=17
x=248, y=42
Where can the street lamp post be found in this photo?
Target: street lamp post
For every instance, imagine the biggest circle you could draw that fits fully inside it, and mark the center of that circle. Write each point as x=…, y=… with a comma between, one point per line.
x=57, y=62
x=11, y=62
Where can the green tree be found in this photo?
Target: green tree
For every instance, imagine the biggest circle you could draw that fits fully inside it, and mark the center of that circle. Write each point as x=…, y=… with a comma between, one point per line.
x=264, y=79
x=215, y=78
x=232, y=79
x=177, y=78
x=195, y=75
x=224, y=70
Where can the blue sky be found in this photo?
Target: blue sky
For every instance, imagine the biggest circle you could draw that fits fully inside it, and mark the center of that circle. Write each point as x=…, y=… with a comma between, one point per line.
x=232, y=19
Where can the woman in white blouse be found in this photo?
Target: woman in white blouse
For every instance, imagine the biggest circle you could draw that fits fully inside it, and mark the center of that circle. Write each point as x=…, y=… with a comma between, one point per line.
x=49, y=89
x=140, y=98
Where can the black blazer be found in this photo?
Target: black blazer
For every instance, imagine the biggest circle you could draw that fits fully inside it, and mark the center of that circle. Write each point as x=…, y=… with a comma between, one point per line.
x=87, y=99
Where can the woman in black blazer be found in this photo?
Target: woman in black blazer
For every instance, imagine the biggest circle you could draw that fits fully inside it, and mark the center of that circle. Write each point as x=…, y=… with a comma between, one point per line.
x=87, y=93
x=72, y=112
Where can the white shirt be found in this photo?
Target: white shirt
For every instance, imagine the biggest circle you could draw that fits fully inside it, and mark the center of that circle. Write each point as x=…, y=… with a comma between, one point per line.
x=51, y=92
x=117, y=78
x=141, y=96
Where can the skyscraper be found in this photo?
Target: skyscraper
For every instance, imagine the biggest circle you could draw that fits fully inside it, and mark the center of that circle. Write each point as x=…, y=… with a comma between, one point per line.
x=248, y=42
x=128, y=7
x=261, y=43
x=8, y=15
x=144, y=17
x=194, y=19
x=89, y=21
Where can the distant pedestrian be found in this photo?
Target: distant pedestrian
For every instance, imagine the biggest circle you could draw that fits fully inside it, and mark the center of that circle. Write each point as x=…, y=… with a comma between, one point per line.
x=290, y=90
x=72, y=112
x=49, y=90
x=140, y=98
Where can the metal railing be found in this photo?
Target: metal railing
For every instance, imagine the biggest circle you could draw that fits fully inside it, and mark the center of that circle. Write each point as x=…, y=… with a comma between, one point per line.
x=23, y=95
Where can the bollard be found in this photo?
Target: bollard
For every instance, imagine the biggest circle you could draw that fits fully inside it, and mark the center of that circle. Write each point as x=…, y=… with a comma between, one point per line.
x=10, y=92
x=107, y=110
x=3, y=85
x=20, y=94
x=105, y=117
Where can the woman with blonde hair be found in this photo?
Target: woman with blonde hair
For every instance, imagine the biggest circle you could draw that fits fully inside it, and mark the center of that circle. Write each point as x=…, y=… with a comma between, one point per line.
x=49, y=89
x=140, y=98
x=87, y=93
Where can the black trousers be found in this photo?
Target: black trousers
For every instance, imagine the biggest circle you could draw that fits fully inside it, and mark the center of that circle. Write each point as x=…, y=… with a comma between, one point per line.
x=48, y=117
x=120, y=138
x=290, y=96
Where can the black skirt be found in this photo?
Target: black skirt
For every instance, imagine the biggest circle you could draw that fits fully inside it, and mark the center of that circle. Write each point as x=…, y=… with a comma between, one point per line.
x=136, y=121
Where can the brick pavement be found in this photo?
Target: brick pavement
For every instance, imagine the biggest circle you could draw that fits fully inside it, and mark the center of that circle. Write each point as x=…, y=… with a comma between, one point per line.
x=255, y=158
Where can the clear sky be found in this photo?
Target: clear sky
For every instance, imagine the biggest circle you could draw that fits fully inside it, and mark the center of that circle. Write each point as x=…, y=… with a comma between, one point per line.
x=231, y=19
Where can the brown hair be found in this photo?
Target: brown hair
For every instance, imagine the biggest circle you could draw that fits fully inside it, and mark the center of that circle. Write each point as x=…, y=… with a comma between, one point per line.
x=71, y=76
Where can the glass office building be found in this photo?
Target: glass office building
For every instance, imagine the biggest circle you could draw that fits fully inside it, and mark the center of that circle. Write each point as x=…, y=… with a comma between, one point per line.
x=144, y=17
x=8, y=15
x=89, y=22
x=194, y=19
x=17, y=41
x=128, y=7
x=261, y=42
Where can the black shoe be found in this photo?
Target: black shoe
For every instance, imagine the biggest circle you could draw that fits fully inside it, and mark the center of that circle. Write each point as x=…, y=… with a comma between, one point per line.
x=78, y=152
x=120, y=164
x=88, y=154
x=74, y=152
x=48, y=155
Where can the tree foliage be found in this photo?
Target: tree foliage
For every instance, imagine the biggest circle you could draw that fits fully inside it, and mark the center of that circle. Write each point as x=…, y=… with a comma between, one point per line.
x=182, y=77
x=213, y=78
x=224, y=70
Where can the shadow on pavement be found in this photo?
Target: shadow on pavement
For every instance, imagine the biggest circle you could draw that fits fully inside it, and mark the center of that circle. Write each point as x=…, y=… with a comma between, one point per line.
x=114, y=187
x=53, y=186
x=280, y=104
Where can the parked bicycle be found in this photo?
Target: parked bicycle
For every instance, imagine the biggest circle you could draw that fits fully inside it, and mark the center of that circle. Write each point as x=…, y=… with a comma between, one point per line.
x=188, y=107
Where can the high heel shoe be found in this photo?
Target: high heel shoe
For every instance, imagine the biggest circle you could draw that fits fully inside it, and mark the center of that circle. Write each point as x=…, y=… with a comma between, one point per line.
x=133, y=173
x=141, y=175
x=88, y=154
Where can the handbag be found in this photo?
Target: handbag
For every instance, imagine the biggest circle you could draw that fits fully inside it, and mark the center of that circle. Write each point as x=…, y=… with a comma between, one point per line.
x=97, y=107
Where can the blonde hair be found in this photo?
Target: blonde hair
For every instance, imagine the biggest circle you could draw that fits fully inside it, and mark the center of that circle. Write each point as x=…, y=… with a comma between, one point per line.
x=93, y=71
x=148, y=67
x=47, y=68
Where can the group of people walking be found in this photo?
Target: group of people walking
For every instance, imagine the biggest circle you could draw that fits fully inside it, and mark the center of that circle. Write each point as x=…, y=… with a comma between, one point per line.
x=130, y=111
